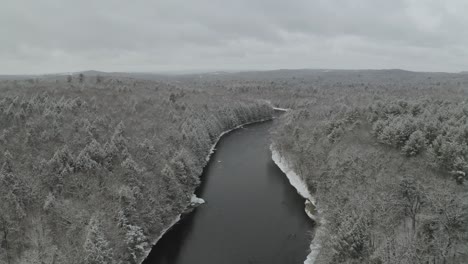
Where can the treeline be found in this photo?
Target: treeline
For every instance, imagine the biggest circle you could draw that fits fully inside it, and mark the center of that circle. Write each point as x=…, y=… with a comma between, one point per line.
x=308, y=88
x=92, y=172
x=381, y=204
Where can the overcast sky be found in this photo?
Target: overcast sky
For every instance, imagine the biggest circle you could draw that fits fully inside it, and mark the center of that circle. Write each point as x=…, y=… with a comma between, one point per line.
x=45, y=36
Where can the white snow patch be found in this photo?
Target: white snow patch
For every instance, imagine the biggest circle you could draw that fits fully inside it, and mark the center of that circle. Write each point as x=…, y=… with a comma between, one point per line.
x=295, y=180
x=298, y=183
x=314, y=248
x=274, y=107
x=309, y=214
x=195, y=200
x=281, y=109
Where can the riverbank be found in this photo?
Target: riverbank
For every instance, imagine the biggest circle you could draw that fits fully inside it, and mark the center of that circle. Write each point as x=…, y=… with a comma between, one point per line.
x=309, y=206
x=196, y=201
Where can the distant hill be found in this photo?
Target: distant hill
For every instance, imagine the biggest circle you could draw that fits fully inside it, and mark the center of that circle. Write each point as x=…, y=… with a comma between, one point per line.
x=275, y=74
x=16, y=77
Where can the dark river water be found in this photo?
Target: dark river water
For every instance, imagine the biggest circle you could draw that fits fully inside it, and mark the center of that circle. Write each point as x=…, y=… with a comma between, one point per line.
x=252, y=215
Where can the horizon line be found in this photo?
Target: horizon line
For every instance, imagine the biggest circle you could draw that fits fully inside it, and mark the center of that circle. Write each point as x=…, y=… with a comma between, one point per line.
x=232, y=71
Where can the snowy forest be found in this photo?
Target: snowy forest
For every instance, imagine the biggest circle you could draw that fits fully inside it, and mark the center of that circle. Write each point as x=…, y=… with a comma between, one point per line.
x=387, y=163
x=108, y=162
x=111, y=159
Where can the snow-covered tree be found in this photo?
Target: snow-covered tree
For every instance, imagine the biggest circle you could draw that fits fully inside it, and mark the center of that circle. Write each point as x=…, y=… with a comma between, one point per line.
x=84, y=162
x=136, y=242
x=96, y=247
x=415, y=144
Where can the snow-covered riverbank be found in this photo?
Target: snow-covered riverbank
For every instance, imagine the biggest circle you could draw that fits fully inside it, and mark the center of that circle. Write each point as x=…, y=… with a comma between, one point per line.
x=281, y=109
x=299, y=184
x=277, y=108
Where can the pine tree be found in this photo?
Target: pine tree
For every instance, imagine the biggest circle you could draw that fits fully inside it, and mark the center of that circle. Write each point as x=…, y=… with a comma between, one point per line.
x=118, y=138
x=352, y=238
x=415, y=144
x=84, y=162
x=95, y=151
x=111, y=153
x=62, y=158
x=96, y=247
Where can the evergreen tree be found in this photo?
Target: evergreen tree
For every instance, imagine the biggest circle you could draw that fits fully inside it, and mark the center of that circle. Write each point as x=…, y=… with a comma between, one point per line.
x=415, y=144
x=95, y=151
x=84, y=162
x=96, y=247
x=118, y=138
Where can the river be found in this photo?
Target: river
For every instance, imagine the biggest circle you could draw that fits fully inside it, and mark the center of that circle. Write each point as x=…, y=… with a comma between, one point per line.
x=252, y=214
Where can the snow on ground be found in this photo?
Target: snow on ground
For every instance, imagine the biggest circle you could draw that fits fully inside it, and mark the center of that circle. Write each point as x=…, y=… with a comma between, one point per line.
x=294, y=179
x=281, y=109
x=315, y=245
x=298, y=183
x=196, y=201
x=276, y=108
x=308, y=212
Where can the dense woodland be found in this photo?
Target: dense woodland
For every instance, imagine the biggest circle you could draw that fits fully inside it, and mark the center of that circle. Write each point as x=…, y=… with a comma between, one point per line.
x=111, y=159
x=109, y=162
x=388, y=167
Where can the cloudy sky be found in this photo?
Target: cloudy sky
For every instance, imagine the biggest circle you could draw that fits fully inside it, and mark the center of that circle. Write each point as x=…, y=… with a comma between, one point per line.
x=45, y=36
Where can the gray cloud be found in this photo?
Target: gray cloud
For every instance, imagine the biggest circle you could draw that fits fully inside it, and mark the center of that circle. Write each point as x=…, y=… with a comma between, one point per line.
x=164, y=35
